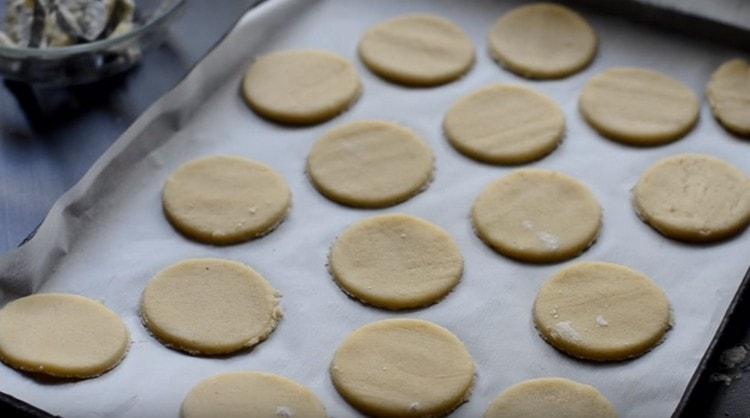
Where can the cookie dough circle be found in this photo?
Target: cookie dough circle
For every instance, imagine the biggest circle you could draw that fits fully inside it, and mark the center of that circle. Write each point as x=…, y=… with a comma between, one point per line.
x=210, y=306
x=301, y=86
x=551, y=398
x=728, y=93
x=417, y=50
x=693, y=197
x=639, y=107
x=537, y=216
x=542, y=40
x=601, y=311
x=403, y=368
x=370, y=164
x=61, y=335
x=504, y=124
x=224, y=200
x=396, y=262
x=251, y=395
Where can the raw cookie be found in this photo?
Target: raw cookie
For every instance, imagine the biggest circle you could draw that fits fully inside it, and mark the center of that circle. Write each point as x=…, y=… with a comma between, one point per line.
x=396, y=262
x=61, y=335
x=504, y=124
x=301, y=86
x=601, y=311
x=638, y=106
x=225, y=200
x=693, y=197
x=251, y=395
x=417, y=50
x=542, y=40
x=403, y=368
x=551, y=398
x=538, y=216
x=728, y=93
x=210, y=306
x=370, y=164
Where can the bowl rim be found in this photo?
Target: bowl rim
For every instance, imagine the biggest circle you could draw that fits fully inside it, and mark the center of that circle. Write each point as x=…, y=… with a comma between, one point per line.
x=59, y=52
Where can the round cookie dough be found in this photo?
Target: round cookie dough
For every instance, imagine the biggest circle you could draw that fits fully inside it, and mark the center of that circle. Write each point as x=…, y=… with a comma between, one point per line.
x=601, y=311
x=728, y=93
x=61, y=335
x=224, y=200
x=639, y=107
x=251, y=395
x=403, y=368
x=537, y=216
x=551, y=398
x=210, y=306
x=301, y=86
x=694, y=198
x=396, y=262
x=370, y=164
x=505, y=124
x=542, y=40
x=417, y=50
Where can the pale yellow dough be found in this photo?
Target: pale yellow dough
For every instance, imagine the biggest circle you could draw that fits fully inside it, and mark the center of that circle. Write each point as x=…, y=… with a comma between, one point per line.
x=537, y=216
x=505, y=124
x=417, y=50
x=396, y=262
x=301, y=86
x=551, y=398
x=601, y=311
x=542, y=40
x=693, y=197
x=210, y=306
x=403, y=368
x=251, y=395
x=225, y=200
x=728, y=93
x=61, y=335
x=370, y=164
x=638, y=106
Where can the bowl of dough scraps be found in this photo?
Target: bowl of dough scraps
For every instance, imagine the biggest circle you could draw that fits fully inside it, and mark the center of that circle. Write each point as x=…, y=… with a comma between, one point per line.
x=68, y=42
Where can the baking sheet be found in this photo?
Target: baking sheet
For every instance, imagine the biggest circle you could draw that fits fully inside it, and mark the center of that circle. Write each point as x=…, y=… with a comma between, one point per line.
x=107, y=236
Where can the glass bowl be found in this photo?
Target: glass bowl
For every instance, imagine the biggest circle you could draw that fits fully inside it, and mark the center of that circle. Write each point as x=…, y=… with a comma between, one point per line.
x=85, y=63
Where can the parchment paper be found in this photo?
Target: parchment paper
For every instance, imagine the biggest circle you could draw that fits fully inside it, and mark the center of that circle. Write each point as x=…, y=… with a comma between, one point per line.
x=107, y=236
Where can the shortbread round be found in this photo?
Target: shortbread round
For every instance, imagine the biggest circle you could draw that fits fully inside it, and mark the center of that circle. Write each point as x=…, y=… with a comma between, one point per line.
x=370, y=164
x=301, y=86
x=210, y=306
x=693, y=197
x=537, y=216
x=224, y=200
x=61, y=335
x=601, y=311
x=505, y=124
x=728, y=93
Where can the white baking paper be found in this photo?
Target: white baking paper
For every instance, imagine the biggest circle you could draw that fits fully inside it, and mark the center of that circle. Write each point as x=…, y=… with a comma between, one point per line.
x=107, y=236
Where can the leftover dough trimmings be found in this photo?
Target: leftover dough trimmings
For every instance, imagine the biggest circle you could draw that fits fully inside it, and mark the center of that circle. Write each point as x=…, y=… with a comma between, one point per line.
x=251, y=395
x=728, y=93
x=418, y=50
x=601, y=311
x=542, y=40
x=61, y=335
x=403, y=368
x=639, y=107
x=210, y=306
x=551, y=398
x=396, y=262
x=537, y=216
x=505, y=124
x=225, y=199
x=693, y=197
x=301, y=86
x=370, y=164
